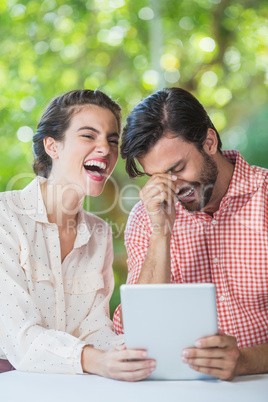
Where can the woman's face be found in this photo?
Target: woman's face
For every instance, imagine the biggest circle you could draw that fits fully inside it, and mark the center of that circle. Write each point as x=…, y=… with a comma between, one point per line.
x=89, y=152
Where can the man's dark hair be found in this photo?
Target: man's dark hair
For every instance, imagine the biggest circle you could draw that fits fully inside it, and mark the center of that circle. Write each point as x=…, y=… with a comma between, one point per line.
x=171, y=110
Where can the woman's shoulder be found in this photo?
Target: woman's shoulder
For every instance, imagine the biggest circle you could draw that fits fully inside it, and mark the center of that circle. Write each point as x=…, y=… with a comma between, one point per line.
x=10, y=202
x=89, y=217
x=17, y=200
x=97, y=227
x=95, y=222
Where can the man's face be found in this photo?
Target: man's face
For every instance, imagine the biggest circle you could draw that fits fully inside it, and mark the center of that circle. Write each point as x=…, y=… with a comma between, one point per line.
x=196, y=171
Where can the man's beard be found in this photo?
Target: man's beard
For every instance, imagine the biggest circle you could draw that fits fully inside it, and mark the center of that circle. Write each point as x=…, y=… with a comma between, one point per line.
x=205, y=185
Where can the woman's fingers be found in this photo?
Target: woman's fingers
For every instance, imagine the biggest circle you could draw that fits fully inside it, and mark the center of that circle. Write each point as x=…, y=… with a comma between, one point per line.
x=128, y=365
x=131, y=354
x=137, y=365
x=135, y=375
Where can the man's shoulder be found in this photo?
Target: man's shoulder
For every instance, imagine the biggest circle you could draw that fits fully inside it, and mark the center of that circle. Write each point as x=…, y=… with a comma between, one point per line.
x=138, y=211
x=261, y=175
x=246, y=177
x=261, y=172
x=138, y=217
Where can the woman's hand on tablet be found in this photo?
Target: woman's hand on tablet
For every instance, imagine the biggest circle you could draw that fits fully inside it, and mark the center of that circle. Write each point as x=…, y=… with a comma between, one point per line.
x=216, y=355
x=118, y=363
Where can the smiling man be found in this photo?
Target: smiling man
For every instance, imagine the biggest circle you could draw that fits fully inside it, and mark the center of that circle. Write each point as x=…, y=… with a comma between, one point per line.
x=203, y=217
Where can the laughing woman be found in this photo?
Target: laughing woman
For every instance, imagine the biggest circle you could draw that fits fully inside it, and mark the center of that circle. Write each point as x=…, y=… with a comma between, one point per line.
x=55, y=258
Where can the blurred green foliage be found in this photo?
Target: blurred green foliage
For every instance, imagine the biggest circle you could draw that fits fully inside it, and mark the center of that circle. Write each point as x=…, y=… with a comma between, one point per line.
x=217, y=49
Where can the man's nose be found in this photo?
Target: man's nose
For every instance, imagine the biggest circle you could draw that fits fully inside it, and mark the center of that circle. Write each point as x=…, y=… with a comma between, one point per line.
x=178, y=184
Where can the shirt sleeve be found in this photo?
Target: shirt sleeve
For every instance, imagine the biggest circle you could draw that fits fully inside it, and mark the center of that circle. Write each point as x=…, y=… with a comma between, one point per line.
x=97, y=328
x=137, y=237
x=26, y=344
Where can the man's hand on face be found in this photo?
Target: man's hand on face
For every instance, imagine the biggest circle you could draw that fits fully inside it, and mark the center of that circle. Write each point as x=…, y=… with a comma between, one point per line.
x=158, y=196
x=216, y=355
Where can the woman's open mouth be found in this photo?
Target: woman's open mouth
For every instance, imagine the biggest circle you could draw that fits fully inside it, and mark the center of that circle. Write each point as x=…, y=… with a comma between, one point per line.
x=96, y=169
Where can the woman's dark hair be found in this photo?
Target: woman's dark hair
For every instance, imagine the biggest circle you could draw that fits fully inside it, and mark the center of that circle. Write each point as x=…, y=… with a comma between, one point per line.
x=172, y=110
x=56, y=120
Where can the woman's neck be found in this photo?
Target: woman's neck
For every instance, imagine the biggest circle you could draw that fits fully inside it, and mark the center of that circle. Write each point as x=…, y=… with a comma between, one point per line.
x=62, y=203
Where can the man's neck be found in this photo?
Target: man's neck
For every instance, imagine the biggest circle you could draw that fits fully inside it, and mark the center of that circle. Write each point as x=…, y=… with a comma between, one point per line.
x=226, y=170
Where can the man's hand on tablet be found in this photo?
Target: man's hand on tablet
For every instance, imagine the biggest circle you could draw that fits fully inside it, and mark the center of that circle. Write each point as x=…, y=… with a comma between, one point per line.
x=215, y=355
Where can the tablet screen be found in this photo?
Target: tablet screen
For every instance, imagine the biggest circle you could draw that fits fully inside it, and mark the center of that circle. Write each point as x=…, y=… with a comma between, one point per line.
x=166, y=318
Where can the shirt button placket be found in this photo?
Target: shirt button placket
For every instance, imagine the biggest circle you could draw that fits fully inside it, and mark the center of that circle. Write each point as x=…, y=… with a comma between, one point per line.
x=57, y=272
x=216, y=261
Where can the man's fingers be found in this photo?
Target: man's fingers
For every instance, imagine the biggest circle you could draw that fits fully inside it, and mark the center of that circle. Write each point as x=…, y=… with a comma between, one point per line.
x=153, y=197
x=154, y=192
x=208, y=362
x=159, y=181
x=215, y=372
x=158, y=197
x=214, y=353
x=163, y=176
x=216, y=341
x=221, y=373
x=154, y=204
x=153, y=189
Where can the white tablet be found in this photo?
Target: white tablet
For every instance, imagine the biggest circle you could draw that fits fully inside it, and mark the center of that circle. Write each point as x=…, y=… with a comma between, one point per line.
x=166, y=318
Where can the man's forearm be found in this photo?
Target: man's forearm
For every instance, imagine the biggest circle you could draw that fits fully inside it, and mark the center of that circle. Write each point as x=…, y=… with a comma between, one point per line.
x=253, y=360
x=156, y=266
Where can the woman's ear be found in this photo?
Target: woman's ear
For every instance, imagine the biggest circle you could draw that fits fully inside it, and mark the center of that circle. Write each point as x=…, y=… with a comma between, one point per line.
x=50, y=146
x=211, y=142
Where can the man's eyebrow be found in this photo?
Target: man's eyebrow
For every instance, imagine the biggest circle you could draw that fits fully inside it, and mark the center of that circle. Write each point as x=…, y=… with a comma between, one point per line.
x=169, y=169
x=97, y=131
x=174, y=166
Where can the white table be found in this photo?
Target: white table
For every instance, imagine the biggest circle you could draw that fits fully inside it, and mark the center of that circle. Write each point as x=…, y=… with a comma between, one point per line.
x=30, y=387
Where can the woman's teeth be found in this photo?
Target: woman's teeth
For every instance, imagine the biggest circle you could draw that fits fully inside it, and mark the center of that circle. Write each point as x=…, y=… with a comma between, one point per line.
x=99, y=164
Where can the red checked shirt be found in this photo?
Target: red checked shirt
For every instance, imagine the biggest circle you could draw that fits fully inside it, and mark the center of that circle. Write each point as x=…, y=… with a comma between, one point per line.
x=229, y=249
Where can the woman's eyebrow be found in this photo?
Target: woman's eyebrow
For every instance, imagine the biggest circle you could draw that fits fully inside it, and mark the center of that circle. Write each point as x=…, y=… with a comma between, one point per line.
x=88, y=128
x=97, y=131
x=114, y=135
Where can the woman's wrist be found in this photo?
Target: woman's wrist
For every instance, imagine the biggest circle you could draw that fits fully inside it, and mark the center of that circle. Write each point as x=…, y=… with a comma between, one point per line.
x=90, y=360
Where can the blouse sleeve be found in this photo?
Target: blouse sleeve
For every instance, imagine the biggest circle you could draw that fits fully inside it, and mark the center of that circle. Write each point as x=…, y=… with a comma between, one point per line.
x=98, y=323
x=24, y=340
x=26, y=344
